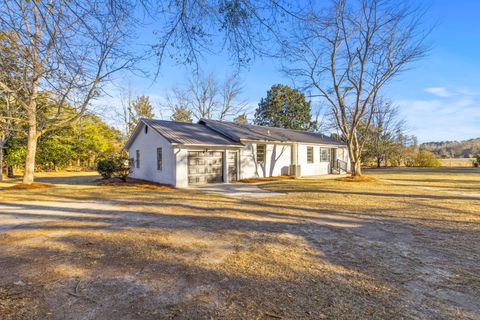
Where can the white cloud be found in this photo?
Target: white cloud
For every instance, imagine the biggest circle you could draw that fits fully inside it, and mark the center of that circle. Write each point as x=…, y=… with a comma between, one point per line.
x=439, y=91
x=455, y=116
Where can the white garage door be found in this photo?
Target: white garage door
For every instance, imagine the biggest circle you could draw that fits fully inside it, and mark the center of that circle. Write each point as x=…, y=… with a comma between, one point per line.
x=205, y=167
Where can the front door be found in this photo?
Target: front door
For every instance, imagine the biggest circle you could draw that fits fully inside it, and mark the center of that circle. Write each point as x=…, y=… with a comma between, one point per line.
x=232, y=166
x=333, y=158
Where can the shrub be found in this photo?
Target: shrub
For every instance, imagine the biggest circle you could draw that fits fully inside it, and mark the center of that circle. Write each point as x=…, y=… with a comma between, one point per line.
x=106, y=168
x=426, y=158
x=114, y=167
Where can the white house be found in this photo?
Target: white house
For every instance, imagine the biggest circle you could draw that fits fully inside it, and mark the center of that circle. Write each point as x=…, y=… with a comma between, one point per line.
x=183, y=154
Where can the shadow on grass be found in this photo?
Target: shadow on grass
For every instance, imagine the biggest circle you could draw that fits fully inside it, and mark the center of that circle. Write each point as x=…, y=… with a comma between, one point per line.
x=134, y=260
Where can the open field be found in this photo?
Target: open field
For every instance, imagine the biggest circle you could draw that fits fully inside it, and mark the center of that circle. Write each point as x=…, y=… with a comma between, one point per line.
x=404, y=247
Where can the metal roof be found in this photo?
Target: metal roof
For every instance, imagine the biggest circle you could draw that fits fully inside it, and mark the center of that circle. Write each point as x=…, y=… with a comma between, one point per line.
x=239, y=132
x=188, y=133
x=222, y=133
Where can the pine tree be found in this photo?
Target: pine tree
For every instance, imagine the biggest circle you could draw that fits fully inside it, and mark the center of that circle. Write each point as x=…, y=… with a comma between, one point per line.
x=181, y=114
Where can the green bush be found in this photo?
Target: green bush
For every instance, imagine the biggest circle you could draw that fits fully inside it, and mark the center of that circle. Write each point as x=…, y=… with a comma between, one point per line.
x=114, y=167
x=426, y=158
x=106, y=168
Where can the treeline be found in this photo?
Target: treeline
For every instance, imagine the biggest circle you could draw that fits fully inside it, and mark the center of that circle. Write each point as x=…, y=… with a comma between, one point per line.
x=454, y=149
x=79, y=144
x=396, y=151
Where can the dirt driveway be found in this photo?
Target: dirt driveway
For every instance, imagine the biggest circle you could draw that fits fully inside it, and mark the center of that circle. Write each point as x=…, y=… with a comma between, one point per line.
x=320, y=250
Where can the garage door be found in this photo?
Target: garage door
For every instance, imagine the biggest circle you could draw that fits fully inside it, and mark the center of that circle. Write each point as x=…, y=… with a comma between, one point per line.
x=205, y=167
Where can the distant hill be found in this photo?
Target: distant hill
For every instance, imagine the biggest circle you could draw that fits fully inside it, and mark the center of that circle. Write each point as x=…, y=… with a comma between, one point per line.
x=454, y=149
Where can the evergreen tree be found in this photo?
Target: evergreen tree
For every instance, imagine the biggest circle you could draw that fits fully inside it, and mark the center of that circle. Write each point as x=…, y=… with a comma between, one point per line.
x=285, y=107
x=241, y=119
x=181, y=114
x=141, y=107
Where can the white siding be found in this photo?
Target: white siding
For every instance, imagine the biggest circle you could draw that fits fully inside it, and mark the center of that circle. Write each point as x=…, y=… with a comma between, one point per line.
x=147, y=144
x=315, y=168
x=181, y=176
x=181, y=156
x=277, y=161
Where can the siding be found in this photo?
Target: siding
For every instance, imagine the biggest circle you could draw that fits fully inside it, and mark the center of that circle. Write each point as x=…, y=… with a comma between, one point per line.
x=277, y=161
x=148, y=144
x=315, y=168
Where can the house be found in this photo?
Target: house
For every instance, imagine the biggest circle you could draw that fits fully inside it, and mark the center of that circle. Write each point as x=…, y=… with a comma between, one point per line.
x=183, y=154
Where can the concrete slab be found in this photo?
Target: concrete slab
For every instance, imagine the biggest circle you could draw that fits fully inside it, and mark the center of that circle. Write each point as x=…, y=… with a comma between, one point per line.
x=323, y=177
x=236, y=190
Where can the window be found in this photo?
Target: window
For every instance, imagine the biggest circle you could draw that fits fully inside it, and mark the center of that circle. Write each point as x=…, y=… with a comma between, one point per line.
x=138, y=159
x=261, y=153
x=309, y=154
x=324, y=155
x=146, y=129
x=159, y=159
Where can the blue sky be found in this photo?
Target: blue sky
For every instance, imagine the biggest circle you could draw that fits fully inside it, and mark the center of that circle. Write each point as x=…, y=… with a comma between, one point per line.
x=439, y=96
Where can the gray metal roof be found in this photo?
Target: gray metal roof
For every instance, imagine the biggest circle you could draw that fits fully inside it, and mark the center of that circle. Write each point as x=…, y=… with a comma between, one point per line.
x=188, y=133
x=239, y=132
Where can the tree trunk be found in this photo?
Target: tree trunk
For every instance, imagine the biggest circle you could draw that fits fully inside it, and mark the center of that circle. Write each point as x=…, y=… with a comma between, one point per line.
x=355, y=161
x=1, y=163
x=28, y=175
x=356, y=168
x=379, y=162
x=10, y=172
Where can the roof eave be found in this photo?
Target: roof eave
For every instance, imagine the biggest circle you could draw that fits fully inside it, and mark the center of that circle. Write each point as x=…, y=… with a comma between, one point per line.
x=206, y=145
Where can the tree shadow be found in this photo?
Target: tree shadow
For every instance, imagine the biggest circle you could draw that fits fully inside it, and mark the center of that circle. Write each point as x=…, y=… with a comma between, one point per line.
x=172, y=256
x=74, y=180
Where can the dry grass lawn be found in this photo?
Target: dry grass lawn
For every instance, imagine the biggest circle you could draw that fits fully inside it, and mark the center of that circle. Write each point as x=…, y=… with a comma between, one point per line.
x=405, y=246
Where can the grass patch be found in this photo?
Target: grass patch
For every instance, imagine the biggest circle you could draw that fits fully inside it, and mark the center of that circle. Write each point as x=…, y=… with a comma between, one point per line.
x=137, y=183
x=324, y=249
x=28, y=186
x=266, y=179
x=358, y=179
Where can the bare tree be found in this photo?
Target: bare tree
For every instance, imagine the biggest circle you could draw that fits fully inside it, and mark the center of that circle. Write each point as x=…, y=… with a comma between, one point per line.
x=385, y=128
x=206, y=97
x=202, y=92
x=69, y=49
x=244, y=28
x=349, y=52
x=230, y=104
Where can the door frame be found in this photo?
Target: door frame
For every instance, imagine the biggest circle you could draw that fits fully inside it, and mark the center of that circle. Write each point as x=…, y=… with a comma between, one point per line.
x=333, y=158
x=205, y=150
x=237, y=164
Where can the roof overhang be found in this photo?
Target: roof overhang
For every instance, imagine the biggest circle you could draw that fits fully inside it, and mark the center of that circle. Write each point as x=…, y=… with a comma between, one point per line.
x=133, y=135
x=202, y=145
x=291, y=142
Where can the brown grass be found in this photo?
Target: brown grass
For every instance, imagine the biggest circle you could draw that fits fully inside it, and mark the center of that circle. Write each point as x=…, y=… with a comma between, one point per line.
x=28, y=186
x=137, y=183
x=324, y=249
x=266, y=179
x=362, y=178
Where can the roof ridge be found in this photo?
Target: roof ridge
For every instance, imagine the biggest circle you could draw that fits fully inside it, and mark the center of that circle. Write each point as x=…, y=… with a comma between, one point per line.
x=261, y=126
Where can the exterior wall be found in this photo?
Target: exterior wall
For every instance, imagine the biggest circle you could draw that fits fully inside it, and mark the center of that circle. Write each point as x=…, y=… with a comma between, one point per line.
x=147, y=144
x=342, y=154
x=181, y=158
x=277, y=161
x=181, y=173
x=315, y=168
